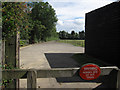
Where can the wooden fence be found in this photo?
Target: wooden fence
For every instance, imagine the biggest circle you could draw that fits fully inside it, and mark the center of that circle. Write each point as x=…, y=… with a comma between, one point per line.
x=33, y=74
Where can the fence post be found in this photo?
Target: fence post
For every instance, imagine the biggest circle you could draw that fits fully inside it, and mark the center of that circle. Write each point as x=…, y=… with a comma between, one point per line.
x=118, y=80
x=31, y=79
x=10, y=58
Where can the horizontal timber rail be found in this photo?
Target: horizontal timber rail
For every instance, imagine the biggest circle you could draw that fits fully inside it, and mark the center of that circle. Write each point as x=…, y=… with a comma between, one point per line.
x=33, y=74
x=49, y=73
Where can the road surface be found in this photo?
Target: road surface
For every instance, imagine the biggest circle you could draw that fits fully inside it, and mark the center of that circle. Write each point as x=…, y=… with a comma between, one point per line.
x=52, y=55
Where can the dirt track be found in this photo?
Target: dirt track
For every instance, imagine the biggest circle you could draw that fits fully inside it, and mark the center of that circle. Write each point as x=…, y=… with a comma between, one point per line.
x=52, y=55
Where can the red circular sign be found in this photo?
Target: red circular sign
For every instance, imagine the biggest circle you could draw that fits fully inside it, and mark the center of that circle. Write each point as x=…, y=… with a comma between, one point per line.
x=90, y=72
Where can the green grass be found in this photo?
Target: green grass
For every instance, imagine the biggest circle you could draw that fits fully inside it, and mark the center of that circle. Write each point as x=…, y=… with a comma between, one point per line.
x=24, y=42
x=52, y=38
x=74, y=42
x=84, y=59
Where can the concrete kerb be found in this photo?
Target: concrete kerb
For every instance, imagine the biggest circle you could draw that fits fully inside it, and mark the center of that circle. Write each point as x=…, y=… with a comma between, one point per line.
x=25, y=46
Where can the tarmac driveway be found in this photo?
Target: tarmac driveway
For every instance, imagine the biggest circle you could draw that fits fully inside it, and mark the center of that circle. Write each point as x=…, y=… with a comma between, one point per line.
x=52, y=55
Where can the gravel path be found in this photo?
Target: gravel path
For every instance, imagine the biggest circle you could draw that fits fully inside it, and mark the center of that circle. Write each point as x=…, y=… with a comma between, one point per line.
x=52, y=55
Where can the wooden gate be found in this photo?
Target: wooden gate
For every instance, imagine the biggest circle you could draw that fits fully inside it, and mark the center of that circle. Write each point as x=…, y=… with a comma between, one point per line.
x=32, y=75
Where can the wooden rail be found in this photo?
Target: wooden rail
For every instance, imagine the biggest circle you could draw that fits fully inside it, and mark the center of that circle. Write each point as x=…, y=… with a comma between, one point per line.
x=33, y=74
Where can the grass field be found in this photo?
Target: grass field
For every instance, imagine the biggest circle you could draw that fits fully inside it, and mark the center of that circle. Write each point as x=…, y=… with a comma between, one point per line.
x=82, y=59
x=74, y=42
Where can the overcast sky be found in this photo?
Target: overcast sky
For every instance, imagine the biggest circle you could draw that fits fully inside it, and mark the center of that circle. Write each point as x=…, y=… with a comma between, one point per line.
x=71, y=13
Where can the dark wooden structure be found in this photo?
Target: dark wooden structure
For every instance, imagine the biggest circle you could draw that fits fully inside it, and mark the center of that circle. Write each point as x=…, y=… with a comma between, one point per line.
x=102, y=33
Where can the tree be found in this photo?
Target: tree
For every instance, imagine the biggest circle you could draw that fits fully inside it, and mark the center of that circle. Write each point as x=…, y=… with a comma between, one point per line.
x=82, y=35
x=63, y=35
x=76, y=36
x=44, y=14
x=36, y=32
x=72, y=34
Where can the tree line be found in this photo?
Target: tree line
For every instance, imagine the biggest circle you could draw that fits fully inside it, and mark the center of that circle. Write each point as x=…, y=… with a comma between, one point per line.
x=73, y=35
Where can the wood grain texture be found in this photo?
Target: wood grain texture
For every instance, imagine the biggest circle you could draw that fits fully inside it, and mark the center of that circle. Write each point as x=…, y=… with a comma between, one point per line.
x=31, y=79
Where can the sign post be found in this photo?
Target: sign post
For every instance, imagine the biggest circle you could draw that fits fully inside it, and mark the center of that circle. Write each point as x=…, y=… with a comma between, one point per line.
x=90, y=72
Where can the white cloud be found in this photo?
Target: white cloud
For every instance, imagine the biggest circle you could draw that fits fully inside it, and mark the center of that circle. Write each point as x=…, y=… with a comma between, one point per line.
x=71, y=13
x=69, y=25
x=79, y=21
x=59, y=22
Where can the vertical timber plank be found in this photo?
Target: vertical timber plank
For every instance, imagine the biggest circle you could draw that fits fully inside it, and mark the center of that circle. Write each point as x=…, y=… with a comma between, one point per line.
x=17, y=50
x=111, y=81
x=31, y=79
x=12, y=57
x=118, y=80
x=17, y=56
x=10, y=50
